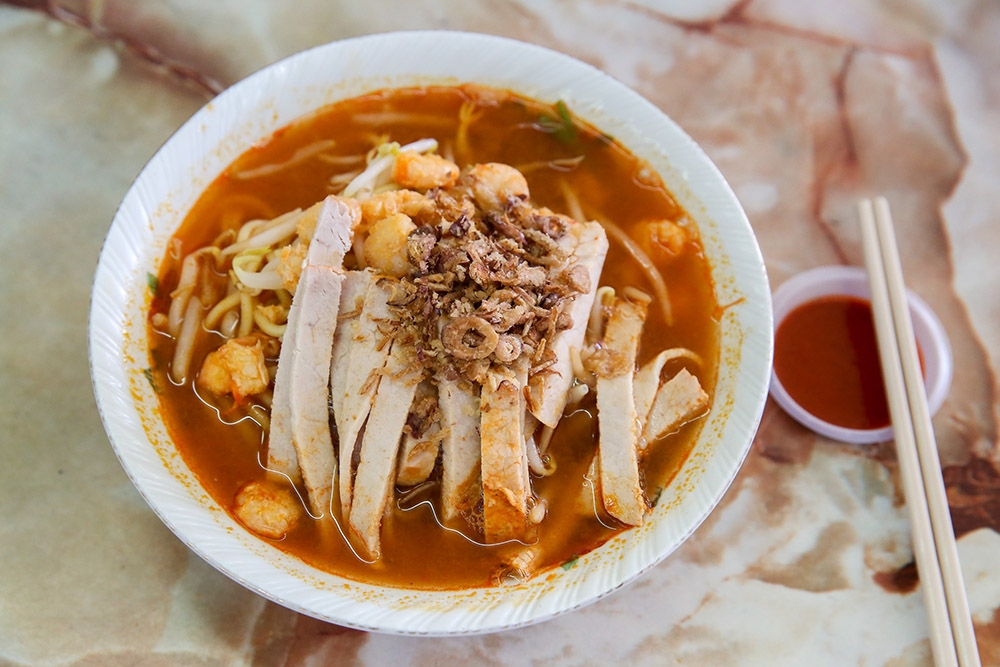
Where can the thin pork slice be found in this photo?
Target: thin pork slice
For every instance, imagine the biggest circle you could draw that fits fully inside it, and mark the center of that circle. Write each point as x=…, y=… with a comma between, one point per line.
x=352, y=301
x=548, y=391
x=300, y=428
x=332, y=238
x=460, y=448
x=678, y=401
x=506, y=485
x=647, y=379
x=316, y=300
x=369, y=350
x=281, y=456
x=380, y=446
x=618, y=462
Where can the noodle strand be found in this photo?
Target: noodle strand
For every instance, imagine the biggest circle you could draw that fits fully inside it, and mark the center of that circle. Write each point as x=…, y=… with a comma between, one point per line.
x=300, y=156
x=185, y=341
x=284, y=227
x=220, y=309
x=631, y=247
x=247, y=304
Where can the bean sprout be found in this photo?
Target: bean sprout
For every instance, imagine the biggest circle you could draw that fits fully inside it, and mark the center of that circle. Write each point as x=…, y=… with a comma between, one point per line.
x=300, y=156
x=282, y=229
x=576, y=211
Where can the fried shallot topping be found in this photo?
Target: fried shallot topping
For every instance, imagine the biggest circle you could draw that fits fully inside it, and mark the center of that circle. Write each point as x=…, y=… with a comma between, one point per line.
x=490, y=278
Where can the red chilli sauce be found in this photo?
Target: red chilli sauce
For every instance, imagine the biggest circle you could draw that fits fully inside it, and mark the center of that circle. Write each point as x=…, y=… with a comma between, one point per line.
x=826, y=356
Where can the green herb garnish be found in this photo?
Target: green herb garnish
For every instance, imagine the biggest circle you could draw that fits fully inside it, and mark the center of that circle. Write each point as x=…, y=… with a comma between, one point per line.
x=148, y=372
x=153, y=282
x=559, y=126
x=570, y=564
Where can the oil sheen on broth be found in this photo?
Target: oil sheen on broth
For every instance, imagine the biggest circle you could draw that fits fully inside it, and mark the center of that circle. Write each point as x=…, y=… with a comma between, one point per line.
x=556, y=154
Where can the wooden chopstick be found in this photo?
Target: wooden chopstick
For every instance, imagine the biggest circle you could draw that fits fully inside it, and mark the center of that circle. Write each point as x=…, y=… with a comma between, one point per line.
x=953, y=640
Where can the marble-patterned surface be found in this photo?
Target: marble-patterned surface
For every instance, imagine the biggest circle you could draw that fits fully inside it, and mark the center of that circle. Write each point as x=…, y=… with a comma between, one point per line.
x=805, y=106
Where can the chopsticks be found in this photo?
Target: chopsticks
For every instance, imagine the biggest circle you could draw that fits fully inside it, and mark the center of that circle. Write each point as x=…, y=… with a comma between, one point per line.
x=953, y=641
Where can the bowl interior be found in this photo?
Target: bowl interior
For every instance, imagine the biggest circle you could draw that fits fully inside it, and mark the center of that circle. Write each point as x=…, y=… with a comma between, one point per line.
x=270, y=99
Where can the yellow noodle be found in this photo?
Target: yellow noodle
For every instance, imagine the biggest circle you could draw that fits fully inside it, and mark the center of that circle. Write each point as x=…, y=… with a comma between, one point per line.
x=266, y=325
x=221, y=308
x=266, y=398
x=247, y=304
x=259, y=415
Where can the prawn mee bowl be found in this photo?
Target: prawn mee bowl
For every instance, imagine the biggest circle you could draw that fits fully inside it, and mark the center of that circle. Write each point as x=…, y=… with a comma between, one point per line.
x=626, y=289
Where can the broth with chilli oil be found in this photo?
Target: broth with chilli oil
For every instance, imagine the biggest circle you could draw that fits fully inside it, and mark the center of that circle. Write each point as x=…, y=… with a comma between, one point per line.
x=570, y=168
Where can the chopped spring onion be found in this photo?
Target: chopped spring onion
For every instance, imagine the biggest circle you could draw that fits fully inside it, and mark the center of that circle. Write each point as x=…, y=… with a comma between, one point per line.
x=559, y=126
x=153, y=283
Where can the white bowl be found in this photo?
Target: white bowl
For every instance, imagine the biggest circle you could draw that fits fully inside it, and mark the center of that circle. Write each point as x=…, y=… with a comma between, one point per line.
x=270, y=99
x=853, y=281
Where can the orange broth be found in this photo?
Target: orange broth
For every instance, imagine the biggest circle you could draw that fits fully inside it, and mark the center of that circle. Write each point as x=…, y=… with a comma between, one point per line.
x=610, y=183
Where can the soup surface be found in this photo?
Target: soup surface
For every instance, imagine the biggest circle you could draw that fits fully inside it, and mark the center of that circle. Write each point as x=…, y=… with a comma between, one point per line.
x=570, y=168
